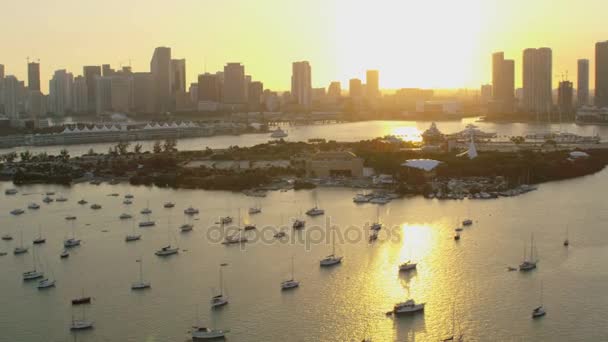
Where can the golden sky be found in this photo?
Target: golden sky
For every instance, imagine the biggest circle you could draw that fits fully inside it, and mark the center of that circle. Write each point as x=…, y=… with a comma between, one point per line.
x=414, y=43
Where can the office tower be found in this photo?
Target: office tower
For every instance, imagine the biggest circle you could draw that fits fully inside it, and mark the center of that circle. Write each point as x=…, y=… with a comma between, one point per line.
x=106, y=70
x=372, y=82
x=485, y=94
x=601, y=74
x=1, y=71
x=537, y=80
x=193, y=91
x=503, y=82
x=33, y=76
x=565, y=94
x=334, y=90
x=208, y=88
x=143, y=92
x=301, y=84
x=582, y=87
x=10, y=95
x=178, y=75
x=234, y=84
x=121, y=92
x=355, y=88
x=103, y=95
x=90, y=73
x=79, y=95
x=35, y=104
x=160, y=67
x=254, y=95
x=60, y=92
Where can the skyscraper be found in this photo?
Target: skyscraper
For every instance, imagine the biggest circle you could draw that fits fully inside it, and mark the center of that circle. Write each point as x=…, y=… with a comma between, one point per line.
x=565, y=94
x=234, y=84
x=33, y=76
x=79, y=95
x=178, y=75
x=106, y=70
x=255, y=91
x=208, y=88
x=334, y=90
x=355, y=88
x=160, y=67
x=143, y=92
x=372, y=80
x=537, y=80
x=1, y=71
x=582, y=86
x=601, y=74
x=503, y=82
x=60, y=92
x=301, y=84
x=10, y=94
x=90, y=73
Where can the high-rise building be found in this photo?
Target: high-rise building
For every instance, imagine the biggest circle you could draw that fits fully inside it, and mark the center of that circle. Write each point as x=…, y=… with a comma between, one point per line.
x=234, y=84
x=103, y=96
x=301, y=84
x=1, y=71
x=79, y=95
x=372, y=83
x=160, y=67
x=334, y=90
x=33, y=76
x=60, y=92
x=10, y=94
x=565, y=94
x=193, y=91
x=254, y=95
x=503, y=82
x=208, y=88
x=355, y=88
x=582, y=86
x=90, y=73
x=106, y=70
x=601, y=74
x=178, y=75
x=143, y=92
x=121, y=92
x=485, y=94
x=537, y=80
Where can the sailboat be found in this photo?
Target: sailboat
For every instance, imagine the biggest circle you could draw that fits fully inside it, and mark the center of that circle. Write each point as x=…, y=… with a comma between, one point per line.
x=290, y=283
x=147, y=222
x=81, y=324
x=566, y=241
x=529, y=264
x=202, y=333
x=146, y=210
x=220, y=300
x=71, y=242
x=46, y=282
x=133, y=237
x=167, y=250
x=35, y=273
x=331, y=259
x=376, y=225
x=82, y=299
x=141, y=284
x=39, y=239
x=20, y=249
x=540, y=310
x=191, y=211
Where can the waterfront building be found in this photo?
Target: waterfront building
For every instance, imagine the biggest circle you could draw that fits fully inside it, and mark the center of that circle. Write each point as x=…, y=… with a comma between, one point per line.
x=485, y=94
x=193, y=91
x=301, y=84
x=355, y=88
x=537, y=80
x=1, y=71
x=334, y=90
x=503, y=83
x=582, y=87
x=255, y=91
x=234, y=84
x=33, y=76
x=11, y=99
x=143, y=92
x=334, y=164
x=209, y=87
x=601, y=74
x=565, y=95
x=372, y=82
x=79, y=95
x=160, y=67
x=90, y=73
x=178, y=75
x=60, y=92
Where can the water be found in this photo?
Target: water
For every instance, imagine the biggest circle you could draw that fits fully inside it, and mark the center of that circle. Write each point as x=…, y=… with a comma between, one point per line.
x=345, y=132
x=344, y=303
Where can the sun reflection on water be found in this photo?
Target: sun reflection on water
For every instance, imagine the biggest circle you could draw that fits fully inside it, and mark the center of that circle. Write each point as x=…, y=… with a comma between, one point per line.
x=407, y=133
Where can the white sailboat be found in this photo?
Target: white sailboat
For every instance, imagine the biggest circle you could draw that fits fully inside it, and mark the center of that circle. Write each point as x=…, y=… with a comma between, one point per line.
x=290, y=283
x=191, y=211
x=202, y=333
x=147, y=222
x=540, y=310
x=39, y=240
x=132, y=237
x=220, y=299
x=71, y=242
x=47, y=282
x=331, y=259
x=146, y=210
x=141, y=284
x=20, y=249
x=167, y=250
x=35, y=273
x=81, y=324
x=529, y=264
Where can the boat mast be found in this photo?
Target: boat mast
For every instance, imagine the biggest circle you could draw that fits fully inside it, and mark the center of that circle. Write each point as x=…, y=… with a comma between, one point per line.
x=221, y=282
x=292, y=267
x=141, y=270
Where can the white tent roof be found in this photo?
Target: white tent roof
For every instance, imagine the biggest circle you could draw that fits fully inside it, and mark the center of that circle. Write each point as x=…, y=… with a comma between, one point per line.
x=422, y=164
x=578, y=154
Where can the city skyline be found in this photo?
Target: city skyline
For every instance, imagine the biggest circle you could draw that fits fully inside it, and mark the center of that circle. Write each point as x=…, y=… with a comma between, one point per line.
x=340, y=44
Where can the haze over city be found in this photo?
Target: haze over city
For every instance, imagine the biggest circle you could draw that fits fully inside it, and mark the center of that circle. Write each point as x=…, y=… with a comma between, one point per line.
x=427, y=44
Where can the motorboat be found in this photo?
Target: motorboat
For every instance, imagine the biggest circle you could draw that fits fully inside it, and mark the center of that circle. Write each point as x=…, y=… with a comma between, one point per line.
x=125, y=216
x=133, y=237
x=408, y=307
x=39, y=240
x=82, y=202
x=380, y=200
x=250, y=227
x=167, y=250
x=201, y=333
x=225, y=220
x=457, y=236
x=373, y=236
x=169, y=205
x=47, y=199
x=191, y=211
x=20, y=250
x=186, y=227
x=298, y=224
x=146, y=211
x=61, y=199
x=70, y=218
x=95, y=206
x=11, y=191
x=147, y=224
x=127, y=202
x=33, y=206
x=458, y=229
x=31, y=275
x=64, y=254
x=114, y=194
x=46, y=283
x=407, y=266
x=538, y=312
x=467, y=222
x=315, y=212
x=129, y=196
x=50, y=193
x=278, y=133
x=71, y=242
x=17, y=212
x=7, y=237
x=254, y=210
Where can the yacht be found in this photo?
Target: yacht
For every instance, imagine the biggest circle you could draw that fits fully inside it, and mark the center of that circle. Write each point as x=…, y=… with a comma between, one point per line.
x=20, y=249
x=167, y=250
x=46, y=283
x=7, y=237
x=64, y=254
x=125, y=216
x=331, y=259
x=71, y=242
x=467, y=222
x=540, y=310
x=191, y=211
x=408, y=307
x=234, y=239
x=146, y=211
x=61, y=199
x=169, y=205
x=529, y=264
x=35, y=273
x=186, y=227
x=47, y=200
x=70, y=218
x=81, y=300
x=298, y=224
x=95, y=206
x=278, y=133
x=82, y=202
x=315, y=212
x=17, y=211
x=458, y=229
x=133, y=237
x=33, y=206
x=127, y=202
x=141, y=284
x=147, y=224
x=254, y=210
x=10, y=191
x=407, y=266
x=290, y=283
x=201, y=333
x=220, y=300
